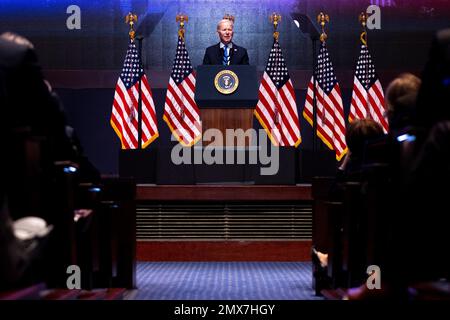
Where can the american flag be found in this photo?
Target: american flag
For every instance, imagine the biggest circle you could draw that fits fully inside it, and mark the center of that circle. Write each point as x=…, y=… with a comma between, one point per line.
x=124, y=117
x=330, y=109
x=367, y=97
x=180, y=110
x=277, y=109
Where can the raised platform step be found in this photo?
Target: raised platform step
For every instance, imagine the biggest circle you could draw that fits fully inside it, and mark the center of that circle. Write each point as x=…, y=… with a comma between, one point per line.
x=223, y=192
x=224, y=222
x=223, y=250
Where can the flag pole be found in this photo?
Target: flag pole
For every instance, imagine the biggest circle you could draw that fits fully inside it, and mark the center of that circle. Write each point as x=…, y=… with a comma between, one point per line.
x=322, y=19
x=140, y=38
x=363, y=21
x=363, y=37
x=314, y=122
x=131, y=19
x=181, y=18
x=275, y=18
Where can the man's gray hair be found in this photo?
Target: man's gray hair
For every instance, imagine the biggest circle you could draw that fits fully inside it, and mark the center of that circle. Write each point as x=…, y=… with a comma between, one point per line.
x=223, y=21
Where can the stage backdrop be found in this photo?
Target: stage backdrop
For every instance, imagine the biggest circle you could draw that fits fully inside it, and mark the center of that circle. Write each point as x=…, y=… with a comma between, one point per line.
x=102, y=39
x=83, y=64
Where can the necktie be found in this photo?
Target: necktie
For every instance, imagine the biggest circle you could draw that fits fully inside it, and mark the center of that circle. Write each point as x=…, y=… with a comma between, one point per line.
x=226, y=57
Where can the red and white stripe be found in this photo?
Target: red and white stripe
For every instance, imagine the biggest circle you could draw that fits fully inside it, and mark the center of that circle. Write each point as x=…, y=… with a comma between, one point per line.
x=368, y=103
x=124, y=118
x=186, y=128
x=330, y=117
x=285, y=132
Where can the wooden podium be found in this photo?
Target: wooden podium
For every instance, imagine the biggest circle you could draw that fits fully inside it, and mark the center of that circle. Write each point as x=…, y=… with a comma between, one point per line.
x=222, y=119
x=226, y=111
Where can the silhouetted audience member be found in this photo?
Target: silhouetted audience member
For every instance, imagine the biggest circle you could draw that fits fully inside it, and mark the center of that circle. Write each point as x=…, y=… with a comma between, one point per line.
x=33, y=134
x=401, y=96
x=359, y=133
x=380, y=164
x=26, y=100
x=34, y=117
x=36, y=136
x=428, y=185
x=419, y=240
x=32, y=121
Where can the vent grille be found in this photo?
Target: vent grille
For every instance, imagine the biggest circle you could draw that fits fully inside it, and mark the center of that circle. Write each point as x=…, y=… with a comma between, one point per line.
x=203, y=221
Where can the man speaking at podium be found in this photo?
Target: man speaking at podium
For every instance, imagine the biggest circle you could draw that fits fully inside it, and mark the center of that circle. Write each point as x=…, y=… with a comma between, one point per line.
x=225, y=52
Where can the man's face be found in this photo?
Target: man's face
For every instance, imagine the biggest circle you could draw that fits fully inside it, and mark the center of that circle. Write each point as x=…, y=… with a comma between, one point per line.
x=225, y=32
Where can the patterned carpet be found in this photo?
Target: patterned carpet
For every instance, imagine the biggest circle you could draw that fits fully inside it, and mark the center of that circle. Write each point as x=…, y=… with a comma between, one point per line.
x=224, y=281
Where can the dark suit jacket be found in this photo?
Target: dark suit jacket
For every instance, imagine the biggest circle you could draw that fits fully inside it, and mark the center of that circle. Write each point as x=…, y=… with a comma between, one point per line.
x=214, y=55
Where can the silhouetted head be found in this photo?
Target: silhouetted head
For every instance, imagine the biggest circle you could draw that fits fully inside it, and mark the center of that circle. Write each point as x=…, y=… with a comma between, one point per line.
x=401, y=98
x=17, y=39
x=359, y=132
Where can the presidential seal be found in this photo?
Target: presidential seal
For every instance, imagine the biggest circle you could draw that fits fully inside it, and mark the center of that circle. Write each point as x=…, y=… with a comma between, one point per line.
x=226, y=81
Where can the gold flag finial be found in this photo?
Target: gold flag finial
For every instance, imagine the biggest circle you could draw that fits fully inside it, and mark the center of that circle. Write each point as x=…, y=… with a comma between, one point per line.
x=228, y=17
x=363, y=20
x=131, y=19
x=182, y=18
x=323, y=19
x=275, y=18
